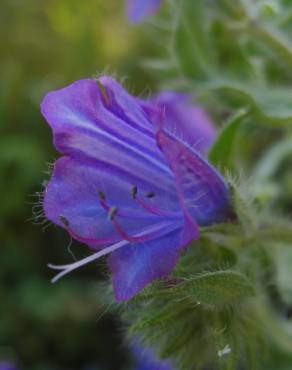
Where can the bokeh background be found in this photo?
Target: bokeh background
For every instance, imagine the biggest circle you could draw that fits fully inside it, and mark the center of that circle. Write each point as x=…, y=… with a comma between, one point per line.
x=45, y=45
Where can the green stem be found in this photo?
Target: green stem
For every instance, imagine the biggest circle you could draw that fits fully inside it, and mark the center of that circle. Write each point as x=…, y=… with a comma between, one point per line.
x=274, y=40
x=235, y=8
x=269, y=36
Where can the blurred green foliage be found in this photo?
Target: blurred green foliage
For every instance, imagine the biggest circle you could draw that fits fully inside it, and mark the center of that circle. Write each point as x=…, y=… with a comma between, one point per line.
x=43, y=46
x=230, y=55
x=234, y=56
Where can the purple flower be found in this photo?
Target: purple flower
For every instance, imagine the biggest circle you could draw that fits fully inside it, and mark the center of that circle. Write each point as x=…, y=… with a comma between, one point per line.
x=7, y=365
x=129, y=183
x=137, y=10
x=146, y=359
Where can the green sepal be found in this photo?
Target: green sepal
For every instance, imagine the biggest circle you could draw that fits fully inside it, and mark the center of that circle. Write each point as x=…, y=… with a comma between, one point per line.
x=217, y=288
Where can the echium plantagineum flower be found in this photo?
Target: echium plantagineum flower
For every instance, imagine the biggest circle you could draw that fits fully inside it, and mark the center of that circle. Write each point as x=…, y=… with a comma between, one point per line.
x=138, y=10
x=130, y=182
x=7, y=365
x=146, y=359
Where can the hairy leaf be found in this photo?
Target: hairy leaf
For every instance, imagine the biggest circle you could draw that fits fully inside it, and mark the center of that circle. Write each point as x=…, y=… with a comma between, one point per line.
x=217, y=288
x=222, y=150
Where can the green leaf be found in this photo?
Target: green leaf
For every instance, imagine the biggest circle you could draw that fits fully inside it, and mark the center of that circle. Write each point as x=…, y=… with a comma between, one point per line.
x=217, y=288
x=222, y=150
x=272, y=159
x=265, y=184
x=191, y=40
x=283, y=263
x=271, y=104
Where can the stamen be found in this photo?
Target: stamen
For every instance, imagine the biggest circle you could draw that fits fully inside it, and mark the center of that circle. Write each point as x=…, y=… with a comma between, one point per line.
x=129, y=238
x=150, y=207
x=134, y=191
x=90, y=241
x=64, y=220
x=101, y=195
x=103, y=203
x=112, y=213
x=104, y=92
x=156, y=210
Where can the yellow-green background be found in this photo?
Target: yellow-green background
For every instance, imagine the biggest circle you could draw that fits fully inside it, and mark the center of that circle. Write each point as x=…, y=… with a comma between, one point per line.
x=44, y=45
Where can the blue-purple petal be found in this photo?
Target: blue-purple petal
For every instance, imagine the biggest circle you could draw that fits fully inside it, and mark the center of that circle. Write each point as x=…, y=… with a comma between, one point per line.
x=181, y=117
x=146, y=359
x=129, y=172
x=188, y=121
x=110, y=147
x=203, y=193
x=137, y=265
x=7, y=365
x=138, y=10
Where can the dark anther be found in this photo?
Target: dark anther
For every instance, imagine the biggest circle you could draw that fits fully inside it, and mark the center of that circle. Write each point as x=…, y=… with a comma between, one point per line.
x=112, y=212
x=104, y=92
x=151, y=194
x=101, y=195
x=64, y=220
x=134, y=191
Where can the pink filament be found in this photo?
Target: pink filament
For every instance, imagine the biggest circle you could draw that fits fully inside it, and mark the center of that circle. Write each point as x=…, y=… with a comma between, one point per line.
x=123, y=234
x=155, y=210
